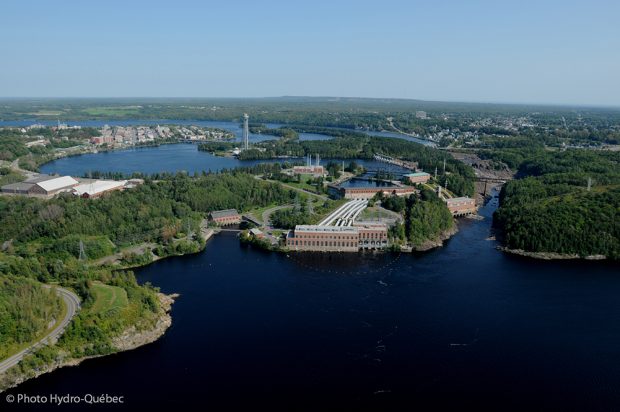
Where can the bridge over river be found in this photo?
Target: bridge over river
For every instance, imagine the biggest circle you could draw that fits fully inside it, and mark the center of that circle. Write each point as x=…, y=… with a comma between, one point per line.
x=397, y=162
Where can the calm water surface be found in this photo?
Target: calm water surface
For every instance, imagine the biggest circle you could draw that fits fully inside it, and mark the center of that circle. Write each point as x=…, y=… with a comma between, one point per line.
x=463, y=327
x=170, y=158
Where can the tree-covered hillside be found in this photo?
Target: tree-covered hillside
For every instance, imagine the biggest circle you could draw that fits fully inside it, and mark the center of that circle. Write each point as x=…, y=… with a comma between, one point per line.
x=426, y=217
x=26, y=311
x=132, y=216
x=551, y=209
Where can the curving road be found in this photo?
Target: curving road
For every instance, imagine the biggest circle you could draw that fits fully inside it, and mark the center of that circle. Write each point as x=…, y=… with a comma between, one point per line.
x=267, y=214
x=73, y=305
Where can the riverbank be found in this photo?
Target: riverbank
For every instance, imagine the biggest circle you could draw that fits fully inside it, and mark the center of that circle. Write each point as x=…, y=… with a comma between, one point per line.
x=131, y=338
x=434, y=243
x=550, y=255
x=76, y=151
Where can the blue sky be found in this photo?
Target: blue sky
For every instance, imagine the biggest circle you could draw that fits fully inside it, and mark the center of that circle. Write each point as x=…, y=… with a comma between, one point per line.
x=541, y=51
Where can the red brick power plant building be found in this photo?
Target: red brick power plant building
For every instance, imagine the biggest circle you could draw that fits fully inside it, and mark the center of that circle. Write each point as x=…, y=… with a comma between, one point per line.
x=337, y=238
x=461, y=206
x=369, y=192
x=225, y=217
x=309, y=170
x=372, y=235
x=417, y=177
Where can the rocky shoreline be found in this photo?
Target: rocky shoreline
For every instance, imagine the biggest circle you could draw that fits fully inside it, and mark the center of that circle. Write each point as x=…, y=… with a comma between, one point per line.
x=432, y=244
x=130, y=339
x=549, y=255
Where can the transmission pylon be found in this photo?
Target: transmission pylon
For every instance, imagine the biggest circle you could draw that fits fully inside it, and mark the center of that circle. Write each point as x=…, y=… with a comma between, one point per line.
x=82, y=252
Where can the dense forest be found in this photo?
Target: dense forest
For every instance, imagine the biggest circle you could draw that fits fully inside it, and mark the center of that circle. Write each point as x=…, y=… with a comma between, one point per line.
x=26, y=311
x=289, y=218
x=282, y=132
x=551, y=209
x=141, y=214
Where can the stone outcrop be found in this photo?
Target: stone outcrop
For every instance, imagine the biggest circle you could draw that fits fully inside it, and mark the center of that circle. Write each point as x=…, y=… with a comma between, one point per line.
x=549, y=255
x=431, y=244
x=133, y=338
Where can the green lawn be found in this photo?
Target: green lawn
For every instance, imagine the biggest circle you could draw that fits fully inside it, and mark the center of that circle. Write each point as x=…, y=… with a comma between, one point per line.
x=108, y=298
x=321, y=212
x=258, y=212
x=303, y=185
x=433, y=187
x=374, y=213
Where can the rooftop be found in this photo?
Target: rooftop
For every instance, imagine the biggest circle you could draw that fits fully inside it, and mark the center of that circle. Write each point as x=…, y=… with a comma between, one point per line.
x=98, y=186
x=369, y=225
x=39, y=178
x=224, y=213
x=57, y=183
x=415, y=174
x=459, y=199
x=326, y=229
x=19, y=186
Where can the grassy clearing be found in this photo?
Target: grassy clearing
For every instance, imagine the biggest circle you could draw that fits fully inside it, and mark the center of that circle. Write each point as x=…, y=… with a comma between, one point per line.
x=374, y=213
x=302, y=185
x=108, y=298
x=322, y=212
x=258, y=212
x=434, y=186
x=8, y=176
x=112, y=111
x=47, y=113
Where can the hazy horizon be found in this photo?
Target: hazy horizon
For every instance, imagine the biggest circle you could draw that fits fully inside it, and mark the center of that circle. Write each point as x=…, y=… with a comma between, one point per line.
x=556, y=53
x=404, y=99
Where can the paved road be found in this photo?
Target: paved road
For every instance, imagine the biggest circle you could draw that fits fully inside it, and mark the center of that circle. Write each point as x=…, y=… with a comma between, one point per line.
x=73, y=305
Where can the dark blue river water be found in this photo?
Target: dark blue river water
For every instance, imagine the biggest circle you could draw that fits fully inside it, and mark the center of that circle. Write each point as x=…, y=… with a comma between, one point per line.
x=170, y=158
x=463, y=327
